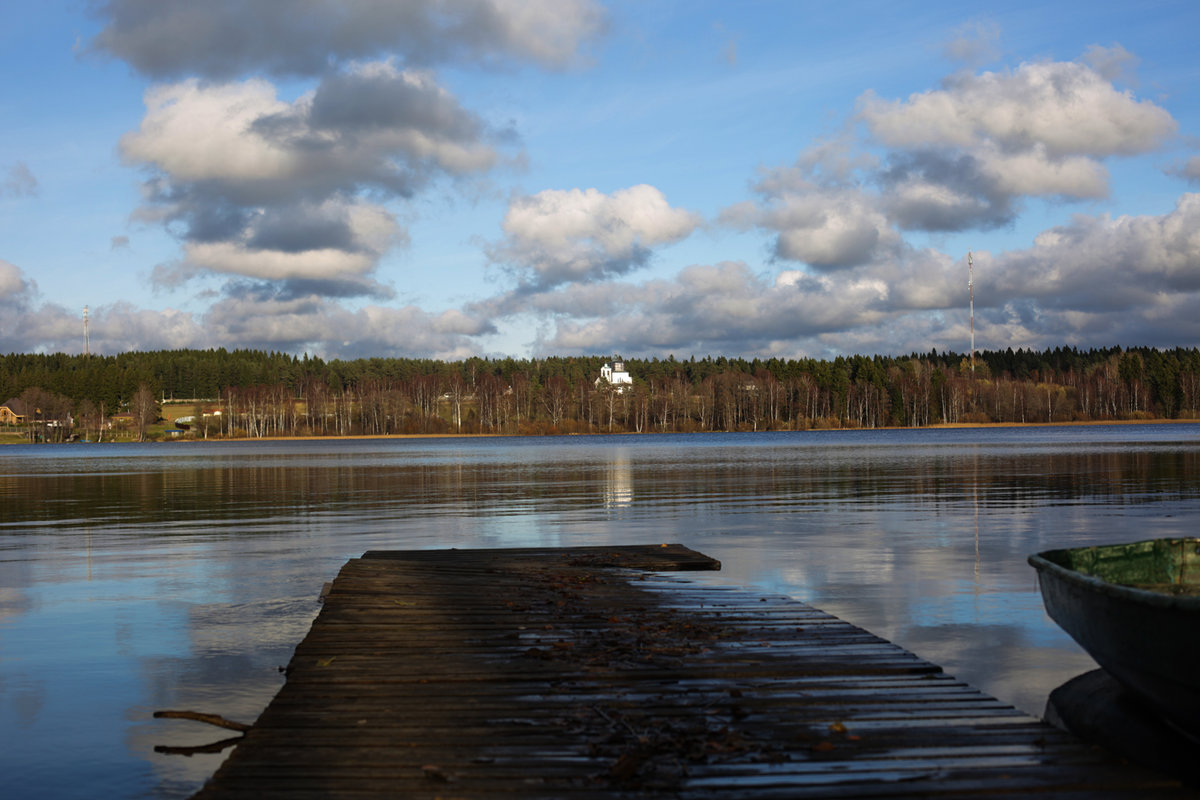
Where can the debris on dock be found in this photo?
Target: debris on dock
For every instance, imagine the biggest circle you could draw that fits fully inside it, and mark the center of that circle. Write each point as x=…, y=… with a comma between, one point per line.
x=570, y=672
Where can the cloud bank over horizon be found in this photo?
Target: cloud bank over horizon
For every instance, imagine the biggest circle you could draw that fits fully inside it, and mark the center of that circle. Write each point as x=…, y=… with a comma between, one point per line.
x=446, y=178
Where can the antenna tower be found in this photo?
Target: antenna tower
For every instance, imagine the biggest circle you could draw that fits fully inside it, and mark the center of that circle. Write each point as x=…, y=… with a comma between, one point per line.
x=87, y=338
x=971, y=293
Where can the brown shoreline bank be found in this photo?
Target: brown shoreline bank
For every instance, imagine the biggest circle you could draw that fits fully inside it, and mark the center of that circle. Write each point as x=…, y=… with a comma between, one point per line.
x=935, y=426
x=940, y=425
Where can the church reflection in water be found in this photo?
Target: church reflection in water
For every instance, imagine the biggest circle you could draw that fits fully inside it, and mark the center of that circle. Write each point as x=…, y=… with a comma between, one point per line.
x=618, y=485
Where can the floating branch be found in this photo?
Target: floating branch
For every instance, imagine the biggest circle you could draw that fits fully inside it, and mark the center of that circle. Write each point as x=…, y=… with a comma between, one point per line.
x=211, y=719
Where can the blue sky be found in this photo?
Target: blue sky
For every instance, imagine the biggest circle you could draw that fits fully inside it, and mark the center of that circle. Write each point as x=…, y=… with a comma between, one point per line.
x=554, y=177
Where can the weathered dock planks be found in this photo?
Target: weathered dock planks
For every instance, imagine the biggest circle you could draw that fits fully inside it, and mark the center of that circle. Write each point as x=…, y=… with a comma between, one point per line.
x=546, y=673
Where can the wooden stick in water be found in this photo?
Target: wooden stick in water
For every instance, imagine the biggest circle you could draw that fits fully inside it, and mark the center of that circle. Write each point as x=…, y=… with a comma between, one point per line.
x=211, y=719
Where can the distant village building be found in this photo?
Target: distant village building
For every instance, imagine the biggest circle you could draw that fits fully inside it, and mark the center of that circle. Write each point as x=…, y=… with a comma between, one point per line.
x=614, y=375
x=13, y=412
x=122, y=420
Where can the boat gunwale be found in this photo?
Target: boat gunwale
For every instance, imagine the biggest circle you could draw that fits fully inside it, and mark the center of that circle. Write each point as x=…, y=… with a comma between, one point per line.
x=1044, y=565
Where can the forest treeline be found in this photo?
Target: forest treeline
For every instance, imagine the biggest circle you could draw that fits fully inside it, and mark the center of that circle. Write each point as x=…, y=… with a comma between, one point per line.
x=273, y=394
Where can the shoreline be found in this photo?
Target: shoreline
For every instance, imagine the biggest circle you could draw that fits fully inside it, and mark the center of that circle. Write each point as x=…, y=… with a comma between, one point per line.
x=1081, y=423
x=936, y=426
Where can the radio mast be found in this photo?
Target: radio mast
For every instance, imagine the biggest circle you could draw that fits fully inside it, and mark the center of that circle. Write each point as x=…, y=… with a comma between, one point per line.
x=87, y=338
x=971, y=293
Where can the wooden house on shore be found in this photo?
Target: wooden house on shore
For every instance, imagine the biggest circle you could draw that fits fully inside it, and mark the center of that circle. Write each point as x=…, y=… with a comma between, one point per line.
x=13, y=412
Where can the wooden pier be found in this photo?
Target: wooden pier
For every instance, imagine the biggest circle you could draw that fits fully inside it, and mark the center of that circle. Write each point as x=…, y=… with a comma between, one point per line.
x=569, y=673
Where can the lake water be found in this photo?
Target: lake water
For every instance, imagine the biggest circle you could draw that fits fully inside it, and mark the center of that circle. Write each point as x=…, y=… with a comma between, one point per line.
x=180, y=576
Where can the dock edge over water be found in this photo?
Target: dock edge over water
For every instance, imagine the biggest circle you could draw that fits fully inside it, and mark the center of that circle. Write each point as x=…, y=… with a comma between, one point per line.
x=588, y=672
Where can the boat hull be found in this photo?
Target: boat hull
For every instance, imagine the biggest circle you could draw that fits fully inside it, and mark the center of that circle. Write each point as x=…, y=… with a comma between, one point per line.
x=1148, y=639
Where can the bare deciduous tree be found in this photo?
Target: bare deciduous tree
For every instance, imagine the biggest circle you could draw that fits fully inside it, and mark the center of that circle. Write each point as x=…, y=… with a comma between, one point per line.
x=144, y=408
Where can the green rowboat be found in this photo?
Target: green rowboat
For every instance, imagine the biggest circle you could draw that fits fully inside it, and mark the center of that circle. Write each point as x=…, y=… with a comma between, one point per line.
x=1136, y=609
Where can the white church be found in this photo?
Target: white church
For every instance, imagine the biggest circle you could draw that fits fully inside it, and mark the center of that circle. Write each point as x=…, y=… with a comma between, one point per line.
x=614, y=375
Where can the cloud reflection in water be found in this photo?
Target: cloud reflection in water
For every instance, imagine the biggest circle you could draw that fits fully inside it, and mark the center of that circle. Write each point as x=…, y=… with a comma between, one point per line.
x=146, y=577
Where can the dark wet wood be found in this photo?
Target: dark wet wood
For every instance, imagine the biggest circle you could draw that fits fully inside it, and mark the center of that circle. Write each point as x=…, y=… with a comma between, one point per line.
x=545, y=673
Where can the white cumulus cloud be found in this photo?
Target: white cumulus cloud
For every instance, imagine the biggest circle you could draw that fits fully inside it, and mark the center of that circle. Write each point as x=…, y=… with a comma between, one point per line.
x=559, y=236
x=271, y=189
x=373, y=126
x=223, y=38
x=273, y=249
x=197, y=132
x=1065, y=107
x=12, y=281
x=316, y=324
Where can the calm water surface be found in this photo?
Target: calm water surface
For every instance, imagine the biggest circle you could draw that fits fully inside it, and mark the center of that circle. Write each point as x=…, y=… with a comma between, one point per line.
x=144, y=577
